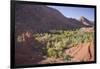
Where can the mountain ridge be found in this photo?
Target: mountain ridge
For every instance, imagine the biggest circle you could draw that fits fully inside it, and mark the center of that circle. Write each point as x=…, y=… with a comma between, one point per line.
x=42, y=18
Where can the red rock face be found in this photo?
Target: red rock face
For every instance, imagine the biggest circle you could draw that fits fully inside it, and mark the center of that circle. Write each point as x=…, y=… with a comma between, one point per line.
x=85, y=21
x=82, y=52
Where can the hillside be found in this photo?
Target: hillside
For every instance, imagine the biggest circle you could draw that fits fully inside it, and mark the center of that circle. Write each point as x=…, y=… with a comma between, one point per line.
x=39, y=18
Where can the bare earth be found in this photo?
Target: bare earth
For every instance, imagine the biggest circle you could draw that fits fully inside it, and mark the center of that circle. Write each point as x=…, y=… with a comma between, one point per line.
x=30, y=52
x=82, y=52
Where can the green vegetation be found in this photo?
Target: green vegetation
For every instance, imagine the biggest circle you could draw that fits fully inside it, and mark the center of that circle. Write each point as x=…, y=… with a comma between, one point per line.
x=67, y=58
x=57, y=42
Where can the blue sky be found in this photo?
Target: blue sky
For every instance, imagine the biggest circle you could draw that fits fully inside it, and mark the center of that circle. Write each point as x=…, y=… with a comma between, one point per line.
x=76, y=12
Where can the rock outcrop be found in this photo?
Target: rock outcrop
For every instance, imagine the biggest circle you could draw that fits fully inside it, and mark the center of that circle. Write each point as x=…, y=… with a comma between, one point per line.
x=86, y=22
x=82, y=52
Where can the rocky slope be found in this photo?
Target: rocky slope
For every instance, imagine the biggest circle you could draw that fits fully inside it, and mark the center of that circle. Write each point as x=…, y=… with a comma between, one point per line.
x=86, y=22
x=39, y=18
x=81, y=53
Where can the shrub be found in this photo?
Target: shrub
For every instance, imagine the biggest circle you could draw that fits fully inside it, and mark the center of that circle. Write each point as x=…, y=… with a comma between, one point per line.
x=56, y=43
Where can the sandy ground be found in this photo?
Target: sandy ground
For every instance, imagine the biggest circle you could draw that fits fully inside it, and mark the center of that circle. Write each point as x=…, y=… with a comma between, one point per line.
x=82, y=52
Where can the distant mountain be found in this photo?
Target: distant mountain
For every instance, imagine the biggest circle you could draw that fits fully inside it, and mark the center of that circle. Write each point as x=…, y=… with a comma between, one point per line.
x=40, y=18
x=85, y=21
